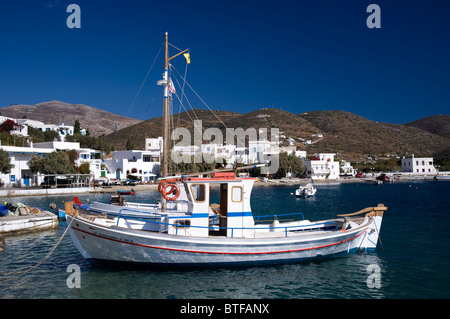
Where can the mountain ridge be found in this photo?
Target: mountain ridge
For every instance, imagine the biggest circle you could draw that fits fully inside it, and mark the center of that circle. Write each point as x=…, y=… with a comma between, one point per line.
x=349, y=135
x=98, y=121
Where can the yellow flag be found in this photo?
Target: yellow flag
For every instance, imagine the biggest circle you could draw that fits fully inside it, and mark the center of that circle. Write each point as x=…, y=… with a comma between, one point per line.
x=188, y=57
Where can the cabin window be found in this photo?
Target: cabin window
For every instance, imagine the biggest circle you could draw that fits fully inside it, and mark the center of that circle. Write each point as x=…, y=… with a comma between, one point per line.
x=182, y=222
x=198, y=192
x=236, y=194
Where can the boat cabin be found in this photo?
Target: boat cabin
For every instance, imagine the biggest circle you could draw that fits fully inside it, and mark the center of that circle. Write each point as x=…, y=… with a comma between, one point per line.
x=234, y=213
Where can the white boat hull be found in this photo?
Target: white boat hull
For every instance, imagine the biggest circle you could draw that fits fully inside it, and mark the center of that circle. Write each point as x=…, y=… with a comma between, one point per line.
x=306, y=191
x=118, y=245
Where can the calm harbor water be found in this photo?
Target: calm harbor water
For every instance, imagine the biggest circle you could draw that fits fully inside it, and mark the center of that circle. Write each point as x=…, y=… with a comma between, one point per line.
x=413, y=261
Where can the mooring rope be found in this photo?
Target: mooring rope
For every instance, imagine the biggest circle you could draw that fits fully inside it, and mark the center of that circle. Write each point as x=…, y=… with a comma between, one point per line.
x=24, y=271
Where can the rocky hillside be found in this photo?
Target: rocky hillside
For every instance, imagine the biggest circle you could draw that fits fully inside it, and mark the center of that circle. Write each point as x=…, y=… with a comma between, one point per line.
x=438, y=124
x=96, y=120
x=351, y=136
x=288, y=123
x=354, y=136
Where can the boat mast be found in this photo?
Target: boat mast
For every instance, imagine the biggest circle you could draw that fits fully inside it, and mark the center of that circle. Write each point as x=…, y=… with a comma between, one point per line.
x=166, y=110
x=166, y=82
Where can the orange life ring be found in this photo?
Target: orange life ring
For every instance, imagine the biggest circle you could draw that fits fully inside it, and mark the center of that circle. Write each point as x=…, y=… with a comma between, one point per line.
x=168, y=189
x=160, y=186
x=165, y=181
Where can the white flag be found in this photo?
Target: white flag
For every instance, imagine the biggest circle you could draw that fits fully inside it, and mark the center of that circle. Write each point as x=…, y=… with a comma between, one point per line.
x=171, y=87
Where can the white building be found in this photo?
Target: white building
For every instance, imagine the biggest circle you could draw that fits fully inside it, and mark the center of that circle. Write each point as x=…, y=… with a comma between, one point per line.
x=22, y=127
x=262, y=151
x=142, y=165
x=418, y=165
x=154, y=144
x=21, y=174
x=347, y=169
x=214, y=153
x=301, y=154
x=322, y=166
x=62, y=129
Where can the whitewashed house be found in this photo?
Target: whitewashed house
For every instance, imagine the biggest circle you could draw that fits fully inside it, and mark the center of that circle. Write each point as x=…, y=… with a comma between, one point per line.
x=416, y=165
x=322, y=166
x=141, y=165
x=21, y=174
x=347, y=169
x=262, y=151
x=62, y=129
x=301, y=154
x=154, y=144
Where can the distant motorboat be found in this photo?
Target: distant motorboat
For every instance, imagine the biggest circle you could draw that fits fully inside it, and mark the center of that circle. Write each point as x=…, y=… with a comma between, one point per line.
x=384, y=178
x=130, y=192
x=442, y=177
x=307, y=190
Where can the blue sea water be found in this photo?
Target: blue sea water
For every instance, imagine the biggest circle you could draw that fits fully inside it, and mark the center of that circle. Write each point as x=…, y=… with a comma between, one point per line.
x=412, y=260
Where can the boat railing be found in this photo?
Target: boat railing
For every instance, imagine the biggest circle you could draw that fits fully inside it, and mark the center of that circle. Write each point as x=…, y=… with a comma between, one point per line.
x=154, y=216
x=276, y=216
x=287, y=229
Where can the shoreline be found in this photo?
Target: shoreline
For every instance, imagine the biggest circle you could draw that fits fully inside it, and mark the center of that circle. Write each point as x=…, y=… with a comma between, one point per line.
x=20, y=192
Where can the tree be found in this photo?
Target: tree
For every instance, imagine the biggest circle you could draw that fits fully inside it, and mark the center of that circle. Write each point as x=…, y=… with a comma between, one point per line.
x=77, y=128
x=84, y=168
x=7, y=126
x=57, y=162
x=5, y=162
x=38, y=136
x=130, y=145
x=97, y=143
x=289, y=163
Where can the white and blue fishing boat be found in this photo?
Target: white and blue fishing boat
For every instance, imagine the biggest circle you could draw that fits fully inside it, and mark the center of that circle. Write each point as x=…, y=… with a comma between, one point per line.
x=185, y=233
x=192, y=239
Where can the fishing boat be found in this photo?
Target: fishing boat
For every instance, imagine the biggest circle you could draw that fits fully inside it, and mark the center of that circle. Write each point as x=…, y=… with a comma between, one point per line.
x=193, y=239
x=307, y=190
x=188, y=230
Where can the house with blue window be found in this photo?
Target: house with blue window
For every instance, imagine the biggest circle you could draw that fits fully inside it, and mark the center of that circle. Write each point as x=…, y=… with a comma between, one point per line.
x=21, y=175
x=135, y=164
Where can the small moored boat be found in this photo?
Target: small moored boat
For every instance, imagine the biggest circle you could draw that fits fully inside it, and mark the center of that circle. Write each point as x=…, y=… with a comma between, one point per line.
x=307, y=190
x=442, y=177
x=129, y=192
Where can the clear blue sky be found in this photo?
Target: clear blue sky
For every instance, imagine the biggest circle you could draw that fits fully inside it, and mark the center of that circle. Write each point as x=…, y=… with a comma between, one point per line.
x=295, y=55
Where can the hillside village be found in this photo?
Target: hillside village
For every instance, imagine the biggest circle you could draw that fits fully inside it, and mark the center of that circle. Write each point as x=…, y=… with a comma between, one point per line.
x=143, y=165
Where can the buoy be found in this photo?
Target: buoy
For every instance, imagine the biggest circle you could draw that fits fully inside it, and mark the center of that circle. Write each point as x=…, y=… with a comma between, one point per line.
x=275, y=224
